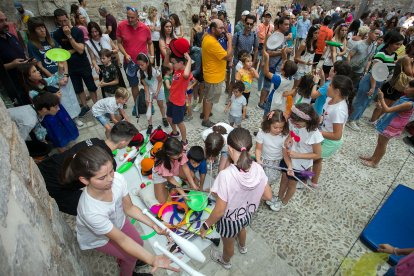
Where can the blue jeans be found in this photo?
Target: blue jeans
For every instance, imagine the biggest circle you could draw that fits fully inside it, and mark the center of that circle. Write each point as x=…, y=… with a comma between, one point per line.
x=361, y=100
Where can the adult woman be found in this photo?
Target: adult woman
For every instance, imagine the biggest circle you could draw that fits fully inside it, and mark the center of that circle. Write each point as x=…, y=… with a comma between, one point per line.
x=166, y=35
x=353, y=28
x=368, y=87
x=409, y=35
x=390, y=25
x=332, y=54
x=154, y=24
x=391, y=93
x=165, y=13
x=74, y=11
x=362, y=33
x=96, y=43
x=204, y=21
x=197, y=31
x=80, y=22
x=203, y=8
x=39, y=43
x=178, y=28
x=304, y=55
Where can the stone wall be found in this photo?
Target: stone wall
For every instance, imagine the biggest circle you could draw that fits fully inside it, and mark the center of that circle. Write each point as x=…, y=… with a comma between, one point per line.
x=34, y=238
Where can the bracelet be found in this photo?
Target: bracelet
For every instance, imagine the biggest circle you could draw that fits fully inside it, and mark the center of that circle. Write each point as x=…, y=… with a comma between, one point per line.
x=395, y=251
x=205, y=226
x=315, y=83
x=152, y=56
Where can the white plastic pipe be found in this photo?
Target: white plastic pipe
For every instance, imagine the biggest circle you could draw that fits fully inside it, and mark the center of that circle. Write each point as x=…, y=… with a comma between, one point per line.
x=176, y=260
x=189, y=248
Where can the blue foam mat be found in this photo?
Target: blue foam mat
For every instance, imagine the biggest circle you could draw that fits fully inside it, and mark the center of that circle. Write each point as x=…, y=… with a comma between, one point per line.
x=394, y=223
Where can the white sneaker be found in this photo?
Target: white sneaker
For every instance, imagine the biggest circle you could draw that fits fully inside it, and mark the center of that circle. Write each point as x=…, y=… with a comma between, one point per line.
x=218, y=258
x=242, y=249
x=78, y=122
x=277, y=206
x=353, y=125
x=299, y=186
x=272, y=201
x=197, y=107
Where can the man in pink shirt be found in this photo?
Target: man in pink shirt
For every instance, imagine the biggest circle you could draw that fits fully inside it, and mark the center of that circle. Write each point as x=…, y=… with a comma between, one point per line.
x=134, y=37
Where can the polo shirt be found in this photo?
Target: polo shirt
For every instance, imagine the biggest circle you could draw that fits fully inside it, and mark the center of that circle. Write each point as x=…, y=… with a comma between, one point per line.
x=212, y=56
x=134, y=40
x=77, y=62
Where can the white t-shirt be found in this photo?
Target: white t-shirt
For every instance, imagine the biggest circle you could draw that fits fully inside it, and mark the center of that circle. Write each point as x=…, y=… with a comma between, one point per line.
x=155, y=35
x=153, y=82
x=83, y=12
x=97, y=218
x=307, y=139
x=272, y=148
x=103, y=43
x=106, y=105
x=236, y=108
x=278, y=101
x=300, y=99
x=334, y=114
x=228, y=127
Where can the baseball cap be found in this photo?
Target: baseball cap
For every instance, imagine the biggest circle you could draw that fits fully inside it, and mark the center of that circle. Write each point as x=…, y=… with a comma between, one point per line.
x=246, y=12
x=268, y=13
x=179, y=46
x=18, y=5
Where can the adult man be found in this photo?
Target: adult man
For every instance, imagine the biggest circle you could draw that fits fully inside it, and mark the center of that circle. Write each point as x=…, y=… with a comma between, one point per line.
x=79, y=68
x=134, y=37
x=359, y=56
x=246, y=40
x=214, y=14
x=240, y=25
x=110, y=22
x=264, y=29
x=22, y=16
x=303, y=27
x=11, y=55
x=275, y=60
x=67, y=197
x=324, y=34
x=82, y=10
x=214, y=59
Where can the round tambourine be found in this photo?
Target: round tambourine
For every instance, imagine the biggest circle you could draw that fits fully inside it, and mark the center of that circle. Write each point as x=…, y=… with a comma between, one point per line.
x=380, y=71
x=58, y=54
x=275, y=41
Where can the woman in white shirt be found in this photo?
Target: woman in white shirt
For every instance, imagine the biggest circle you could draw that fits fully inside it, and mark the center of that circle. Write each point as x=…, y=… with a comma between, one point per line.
x=101, y=223
x=154, y=24
x=178, y=28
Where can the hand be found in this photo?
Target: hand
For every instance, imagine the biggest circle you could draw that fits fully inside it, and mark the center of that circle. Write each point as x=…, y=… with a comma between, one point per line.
x=102, y=84
x=161, y=261
x=229, y=36
x=115, y=51
x=128, y=58
x=293, y=154
x=97, y=69
x=259, y=161
x=289, y=50
x=18, y=61
x=290, y=172
x=187, y=56
x=64, y=81
x=316, y=78
x=286, y=94
x=386, y=248
x=59, y=94
x=380, y=95
x=66, y=30
x=370, y=92
x=155, y=96
x=159, y=230
x=195, y=187
x=203, y=232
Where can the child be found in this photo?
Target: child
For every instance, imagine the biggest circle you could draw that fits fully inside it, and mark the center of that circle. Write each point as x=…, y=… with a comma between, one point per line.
x=110, y=81
x=176, y=105
x=269, y=144
x=247, y=74
x=189, y=97
x=237, y=105
x=281, y=83
x=215, y=143
x=101, y=222
x=304, y=90
x=109, y=108
x=197, y=163
x=391, y=124
x=166, y=79
x=151, y=79
x=170, y=161
x=239, y=189
x=60, y=127
x=302, y=150
x=334, y=117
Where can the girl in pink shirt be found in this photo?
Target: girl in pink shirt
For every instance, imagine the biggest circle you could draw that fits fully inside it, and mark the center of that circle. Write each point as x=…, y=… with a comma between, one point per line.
x=239, y=189
x=169, y=162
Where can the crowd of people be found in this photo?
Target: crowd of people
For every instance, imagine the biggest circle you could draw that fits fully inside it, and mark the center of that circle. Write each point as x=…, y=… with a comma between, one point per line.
x=309, y=91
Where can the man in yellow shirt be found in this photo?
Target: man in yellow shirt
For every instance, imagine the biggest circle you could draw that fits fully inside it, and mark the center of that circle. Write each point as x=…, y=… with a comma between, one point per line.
x=214, y=59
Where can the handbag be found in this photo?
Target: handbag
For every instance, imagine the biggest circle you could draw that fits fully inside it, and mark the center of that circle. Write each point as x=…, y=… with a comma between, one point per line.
x=402, y=82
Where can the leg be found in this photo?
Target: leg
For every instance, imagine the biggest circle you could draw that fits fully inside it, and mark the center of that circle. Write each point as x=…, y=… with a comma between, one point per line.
x=183, y=131
x=379, y=152
x=161, y=107
x=224, y=162
x=134, y=91
x=173, y=126
x=228, y=249
x=317, y=168
x=283, y=186
x=161, y=192
x=242, y=237
x=108, y=130
x=361, y=101
x=290, y=191
x=207, y=106
x=82, y=98
x=90, y=84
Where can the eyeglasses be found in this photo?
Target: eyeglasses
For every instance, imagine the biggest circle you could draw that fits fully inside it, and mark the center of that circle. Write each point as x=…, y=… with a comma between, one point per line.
x=249, y=24
x=202, y=16
x=131, y=9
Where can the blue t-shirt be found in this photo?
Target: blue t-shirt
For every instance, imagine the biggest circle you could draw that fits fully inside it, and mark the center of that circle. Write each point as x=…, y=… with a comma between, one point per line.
x=40, y=55
x=320, y=101
x=202, y=168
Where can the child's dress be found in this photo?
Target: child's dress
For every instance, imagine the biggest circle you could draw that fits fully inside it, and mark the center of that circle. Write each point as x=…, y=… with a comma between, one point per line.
x=392, y=124
x=271, y=153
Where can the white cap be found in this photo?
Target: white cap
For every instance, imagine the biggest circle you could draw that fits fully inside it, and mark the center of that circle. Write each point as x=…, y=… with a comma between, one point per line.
x=214, y=10
x=337, y=9
x=246, y=12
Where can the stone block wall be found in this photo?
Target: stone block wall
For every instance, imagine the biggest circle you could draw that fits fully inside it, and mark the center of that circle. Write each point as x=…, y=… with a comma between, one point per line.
x=34, y=238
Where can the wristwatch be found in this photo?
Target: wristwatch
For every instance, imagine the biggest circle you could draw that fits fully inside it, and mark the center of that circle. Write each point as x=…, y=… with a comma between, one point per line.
x=205, y=226
x=69, y=36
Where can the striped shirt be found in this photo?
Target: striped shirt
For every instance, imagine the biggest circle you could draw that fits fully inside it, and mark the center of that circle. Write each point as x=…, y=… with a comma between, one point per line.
x=389, y=60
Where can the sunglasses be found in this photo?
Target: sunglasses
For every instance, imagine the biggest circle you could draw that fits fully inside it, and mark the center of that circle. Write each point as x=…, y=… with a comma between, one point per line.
x=249, y=24
x=131, y=9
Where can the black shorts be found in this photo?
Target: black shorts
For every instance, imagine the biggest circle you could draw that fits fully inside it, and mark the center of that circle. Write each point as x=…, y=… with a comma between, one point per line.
x=283, y=165
x=86, y=76
x=175, y=112
x=326, y=69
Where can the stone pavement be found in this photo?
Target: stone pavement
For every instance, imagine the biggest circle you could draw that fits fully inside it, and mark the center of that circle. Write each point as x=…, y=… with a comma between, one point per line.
x=317, y=230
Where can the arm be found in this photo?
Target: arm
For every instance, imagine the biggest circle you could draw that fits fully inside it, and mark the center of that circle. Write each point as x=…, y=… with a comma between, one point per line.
x=398, y=108
x=202, y=179
x=255, y=73
x=147, y=93
x=113, y=118
x=238, y=76
x=229, y=55
x=258, y=153
x=108, y=29
x=93, y=59
x=315, y=93
x=215, y=215
x=244, y=111
x=167, y=84
x=163, y=47
x=316, y=154
x=386, y=248
x=192, y=37
x=266, y=65
x=123, y=113
x=255, y=54
x=150, y=46
x=187, y=69
x=187, y=173
x=122, y=49
x=43, y=69
x=79, y=47
x=14, y=63
x=114, y=82
x=336, y=134
x=333, y=53
x=181, y=34
x=159, y=79
x=299, y=53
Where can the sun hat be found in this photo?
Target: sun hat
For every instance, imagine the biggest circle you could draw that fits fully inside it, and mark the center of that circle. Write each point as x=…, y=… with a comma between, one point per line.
x=179, y=46
x=137, y=140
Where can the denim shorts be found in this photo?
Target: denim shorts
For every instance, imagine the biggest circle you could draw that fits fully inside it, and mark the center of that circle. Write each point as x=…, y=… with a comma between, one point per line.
x=267, y=84
x=236, y=120
x=133, y=81
x=103, y=119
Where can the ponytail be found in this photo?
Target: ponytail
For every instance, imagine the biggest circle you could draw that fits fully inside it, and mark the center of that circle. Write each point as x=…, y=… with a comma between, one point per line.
x=241, y=140
x=85, y=163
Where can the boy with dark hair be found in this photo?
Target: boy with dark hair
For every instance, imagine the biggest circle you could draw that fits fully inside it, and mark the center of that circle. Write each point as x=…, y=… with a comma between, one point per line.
x=109, y=82
x=197, y=163
x=237, y=105
x=67, y=198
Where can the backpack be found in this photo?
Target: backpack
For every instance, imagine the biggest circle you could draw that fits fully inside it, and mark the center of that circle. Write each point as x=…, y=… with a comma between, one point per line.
x=141, y=104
